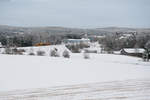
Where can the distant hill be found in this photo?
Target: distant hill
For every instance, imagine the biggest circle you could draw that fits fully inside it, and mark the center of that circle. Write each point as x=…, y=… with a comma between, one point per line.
x=63, y=30
x=124, y=29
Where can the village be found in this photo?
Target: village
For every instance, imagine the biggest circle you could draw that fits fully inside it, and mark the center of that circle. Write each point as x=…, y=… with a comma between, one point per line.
x=75, y=69
x=84, y=44
x=74, y=50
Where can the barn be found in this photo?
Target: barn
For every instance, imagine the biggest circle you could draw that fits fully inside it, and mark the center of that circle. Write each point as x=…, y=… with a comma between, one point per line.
x=138, y=52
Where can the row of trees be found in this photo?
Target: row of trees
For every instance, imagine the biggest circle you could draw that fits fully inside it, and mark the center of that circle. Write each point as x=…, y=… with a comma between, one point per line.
x=24, y=40
x=53, y=53
x=114, y=43
x=20, y=41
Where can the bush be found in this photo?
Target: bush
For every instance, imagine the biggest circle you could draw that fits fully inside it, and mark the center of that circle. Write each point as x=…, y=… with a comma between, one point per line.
x=8, y=50
x=90, y=51
x=31, y=53
x=22, y=50
x=86, y=55
x=54, y=53
x=40, y=53
x=13, y=51
x=146, y=56
x=16, y=51
x=76, y=48
x=66, y=54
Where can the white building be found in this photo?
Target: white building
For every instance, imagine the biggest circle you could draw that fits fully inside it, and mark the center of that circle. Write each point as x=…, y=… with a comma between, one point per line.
x=76, y=41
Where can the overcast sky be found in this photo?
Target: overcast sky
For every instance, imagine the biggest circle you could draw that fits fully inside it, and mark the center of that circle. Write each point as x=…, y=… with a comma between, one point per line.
x=76, y=13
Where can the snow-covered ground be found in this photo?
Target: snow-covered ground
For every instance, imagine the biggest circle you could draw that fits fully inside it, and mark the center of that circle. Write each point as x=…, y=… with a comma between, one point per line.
x=19, y=72
x=115, y=90
x=23, y=72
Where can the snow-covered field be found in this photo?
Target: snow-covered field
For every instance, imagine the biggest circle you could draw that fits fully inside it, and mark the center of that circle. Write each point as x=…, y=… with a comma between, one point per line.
x=19, y=72
x=115, y=90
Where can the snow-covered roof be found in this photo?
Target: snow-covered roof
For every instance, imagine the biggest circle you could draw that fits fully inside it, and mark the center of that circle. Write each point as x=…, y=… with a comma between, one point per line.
x=100, y=36
x=77, y=40
x=83, y=39
x=127, y=35
x=134, y=50
x=122, y=37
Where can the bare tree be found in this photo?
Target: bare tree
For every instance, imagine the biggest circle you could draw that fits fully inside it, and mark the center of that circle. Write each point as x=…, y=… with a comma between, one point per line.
x=40, y=53
x=147, y=51
x=86, y=55
x=66, y=54
x=8, y=50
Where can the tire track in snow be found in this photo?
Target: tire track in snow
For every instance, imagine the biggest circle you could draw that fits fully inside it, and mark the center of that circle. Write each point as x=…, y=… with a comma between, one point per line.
x=116, y=90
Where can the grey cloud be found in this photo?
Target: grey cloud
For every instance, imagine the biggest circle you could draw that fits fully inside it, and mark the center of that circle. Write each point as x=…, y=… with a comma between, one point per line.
x=76, y=13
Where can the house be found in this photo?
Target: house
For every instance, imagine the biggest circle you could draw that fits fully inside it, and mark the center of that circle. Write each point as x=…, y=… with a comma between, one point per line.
x=138, y=52
x=76, y=41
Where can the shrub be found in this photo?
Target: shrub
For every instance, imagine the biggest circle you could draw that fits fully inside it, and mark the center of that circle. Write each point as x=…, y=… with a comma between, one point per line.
x=86, y=55
x=90, y=51
x=66, y=54
x=40, y=53
x=54, y=53
x=8, y=50
x=22, y=50
x=74, y=48
x=31, y=53
x=146, y=56
x=16, y=51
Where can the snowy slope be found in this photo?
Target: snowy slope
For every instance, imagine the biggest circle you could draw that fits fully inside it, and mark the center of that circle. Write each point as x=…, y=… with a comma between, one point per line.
x=114, y=90
x=25, y=72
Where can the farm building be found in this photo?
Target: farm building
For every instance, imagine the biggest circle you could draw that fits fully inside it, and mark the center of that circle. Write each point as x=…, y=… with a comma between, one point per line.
x=138, y=52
